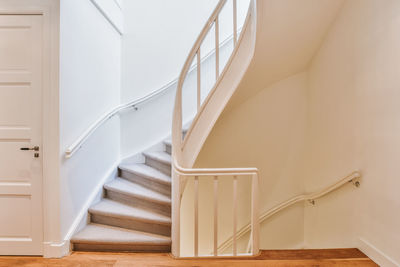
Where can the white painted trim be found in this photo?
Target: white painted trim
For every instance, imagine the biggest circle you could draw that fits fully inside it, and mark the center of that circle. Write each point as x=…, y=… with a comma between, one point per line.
x=107, y=17
x=376, y=254
x=56, y=250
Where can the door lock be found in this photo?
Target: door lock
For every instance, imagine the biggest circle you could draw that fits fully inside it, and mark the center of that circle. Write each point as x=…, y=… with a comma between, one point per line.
x=35, y=148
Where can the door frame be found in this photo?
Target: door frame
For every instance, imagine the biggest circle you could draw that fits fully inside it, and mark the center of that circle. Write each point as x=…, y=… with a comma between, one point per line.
x=53, y=243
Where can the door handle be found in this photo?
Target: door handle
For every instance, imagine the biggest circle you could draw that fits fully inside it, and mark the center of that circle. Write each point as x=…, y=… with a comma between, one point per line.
x=35, y=148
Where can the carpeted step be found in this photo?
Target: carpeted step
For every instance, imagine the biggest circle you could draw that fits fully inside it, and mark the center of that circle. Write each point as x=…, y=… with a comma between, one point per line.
x=96, y=237
x=159, y=160
x=124, y=191
x=117, y=214
x=146, y=176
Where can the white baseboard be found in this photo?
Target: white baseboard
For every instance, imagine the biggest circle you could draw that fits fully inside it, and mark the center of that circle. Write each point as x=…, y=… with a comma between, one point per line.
x=376, y=255
x=56, y=250
x=59, y=250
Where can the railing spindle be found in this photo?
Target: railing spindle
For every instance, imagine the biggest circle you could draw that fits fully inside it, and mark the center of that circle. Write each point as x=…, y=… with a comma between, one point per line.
x=255, y=225
x=234, y=23
x=198, y=80
x=234, y=215
x=215, y=215
x=216, y=24
x=196, y=216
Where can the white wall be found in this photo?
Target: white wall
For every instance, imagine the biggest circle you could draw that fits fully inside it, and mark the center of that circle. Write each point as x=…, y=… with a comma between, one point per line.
x=158, y=37
x=90, y=63
x=354, y=123
x=112, y=11
x=267, y=131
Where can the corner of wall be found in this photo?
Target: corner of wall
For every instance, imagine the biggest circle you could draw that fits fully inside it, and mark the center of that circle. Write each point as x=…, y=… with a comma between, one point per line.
x=376, y=254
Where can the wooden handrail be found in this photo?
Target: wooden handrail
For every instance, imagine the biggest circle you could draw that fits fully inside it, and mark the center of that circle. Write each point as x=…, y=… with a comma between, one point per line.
x=353, y=177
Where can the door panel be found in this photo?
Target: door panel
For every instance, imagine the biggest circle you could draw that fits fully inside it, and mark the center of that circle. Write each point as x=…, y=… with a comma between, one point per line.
x=21, y=228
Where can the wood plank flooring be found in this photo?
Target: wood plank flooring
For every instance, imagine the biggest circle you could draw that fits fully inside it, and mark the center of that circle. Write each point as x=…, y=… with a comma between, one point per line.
x=314, y=257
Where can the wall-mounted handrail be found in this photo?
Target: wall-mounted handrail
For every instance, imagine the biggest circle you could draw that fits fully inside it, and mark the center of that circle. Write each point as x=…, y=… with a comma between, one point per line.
x=311, y=197
x=74, y=147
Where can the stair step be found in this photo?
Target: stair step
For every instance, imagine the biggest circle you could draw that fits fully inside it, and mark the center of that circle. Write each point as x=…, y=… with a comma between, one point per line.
x=168, y=145
x=133, y=194
x=120, y=210
x=146, y=176
x=97, y=237
x=114, y=213
x=160, y=160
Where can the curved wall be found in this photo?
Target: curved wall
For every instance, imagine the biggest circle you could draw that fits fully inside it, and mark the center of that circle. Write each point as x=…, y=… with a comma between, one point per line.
x=345, y=117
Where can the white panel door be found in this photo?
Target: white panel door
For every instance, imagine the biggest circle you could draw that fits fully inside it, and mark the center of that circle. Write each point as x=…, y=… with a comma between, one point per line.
x=21, y=228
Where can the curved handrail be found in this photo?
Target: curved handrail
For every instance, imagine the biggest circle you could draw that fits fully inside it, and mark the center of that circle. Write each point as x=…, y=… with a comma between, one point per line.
x=177, y=112
x=177, y=140
x=304, y=197
x=178, y=167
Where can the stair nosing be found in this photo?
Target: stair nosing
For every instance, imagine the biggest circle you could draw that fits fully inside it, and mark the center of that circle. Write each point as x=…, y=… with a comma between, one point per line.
x=163, y=240
x=141, y=196
x=141, y=174
x=92, y=210
x=151, y=156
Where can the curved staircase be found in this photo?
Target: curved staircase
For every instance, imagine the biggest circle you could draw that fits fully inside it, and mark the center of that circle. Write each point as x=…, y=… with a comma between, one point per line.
x=135, y=212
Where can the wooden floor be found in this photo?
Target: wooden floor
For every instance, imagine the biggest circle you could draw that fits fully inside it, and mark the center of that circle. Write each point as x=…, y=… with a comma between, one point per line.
x=326, y=257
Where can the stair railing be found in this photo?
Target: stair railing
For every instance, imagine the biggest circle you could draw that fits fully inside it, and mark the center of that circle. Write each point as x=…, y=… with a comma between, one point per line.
x=180, y=173
x=353, y=178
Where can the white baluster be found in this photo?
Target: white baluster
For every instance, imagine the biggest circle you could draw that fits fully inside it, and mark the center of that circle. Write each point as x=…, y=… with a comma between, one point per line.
x=234, y=22
x=198, y=80
x=234, y=215
x=196, y=216
x=216, y=24
x=215, y=215
x=255, y=224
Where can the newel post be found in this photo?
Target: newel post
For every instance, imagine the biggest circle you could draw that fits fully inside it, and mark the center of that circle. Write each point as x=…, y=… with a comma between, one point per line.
x=175, y=212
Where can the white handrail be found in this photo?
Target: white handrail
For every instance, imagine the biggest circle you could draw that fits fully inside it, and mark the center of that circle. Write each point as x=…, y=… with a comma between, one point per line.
x=133, y=104
x=214, y=171
x=178, y=171
x=353, y=177
x=72, y=149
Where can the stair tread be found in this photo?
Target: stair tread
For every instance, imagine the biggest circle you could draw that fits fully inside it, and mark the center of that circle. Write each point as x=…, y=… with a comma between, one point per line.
x=168, y=141
x=103, y=234
x=124, y=186
x=160, y=156
x=116, y=209
x=146, y=171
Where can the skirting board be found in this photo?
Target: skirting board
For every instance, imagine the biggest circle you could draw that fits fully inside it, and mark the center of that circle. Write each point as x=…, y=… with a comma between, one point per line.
x=56, y=250
x=376, y=255
x=59, y=250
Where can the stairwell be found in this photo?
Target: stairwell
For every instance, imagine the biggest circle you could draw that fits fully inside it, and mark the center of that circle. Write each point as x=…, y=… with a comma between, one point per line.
x=135, y=213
